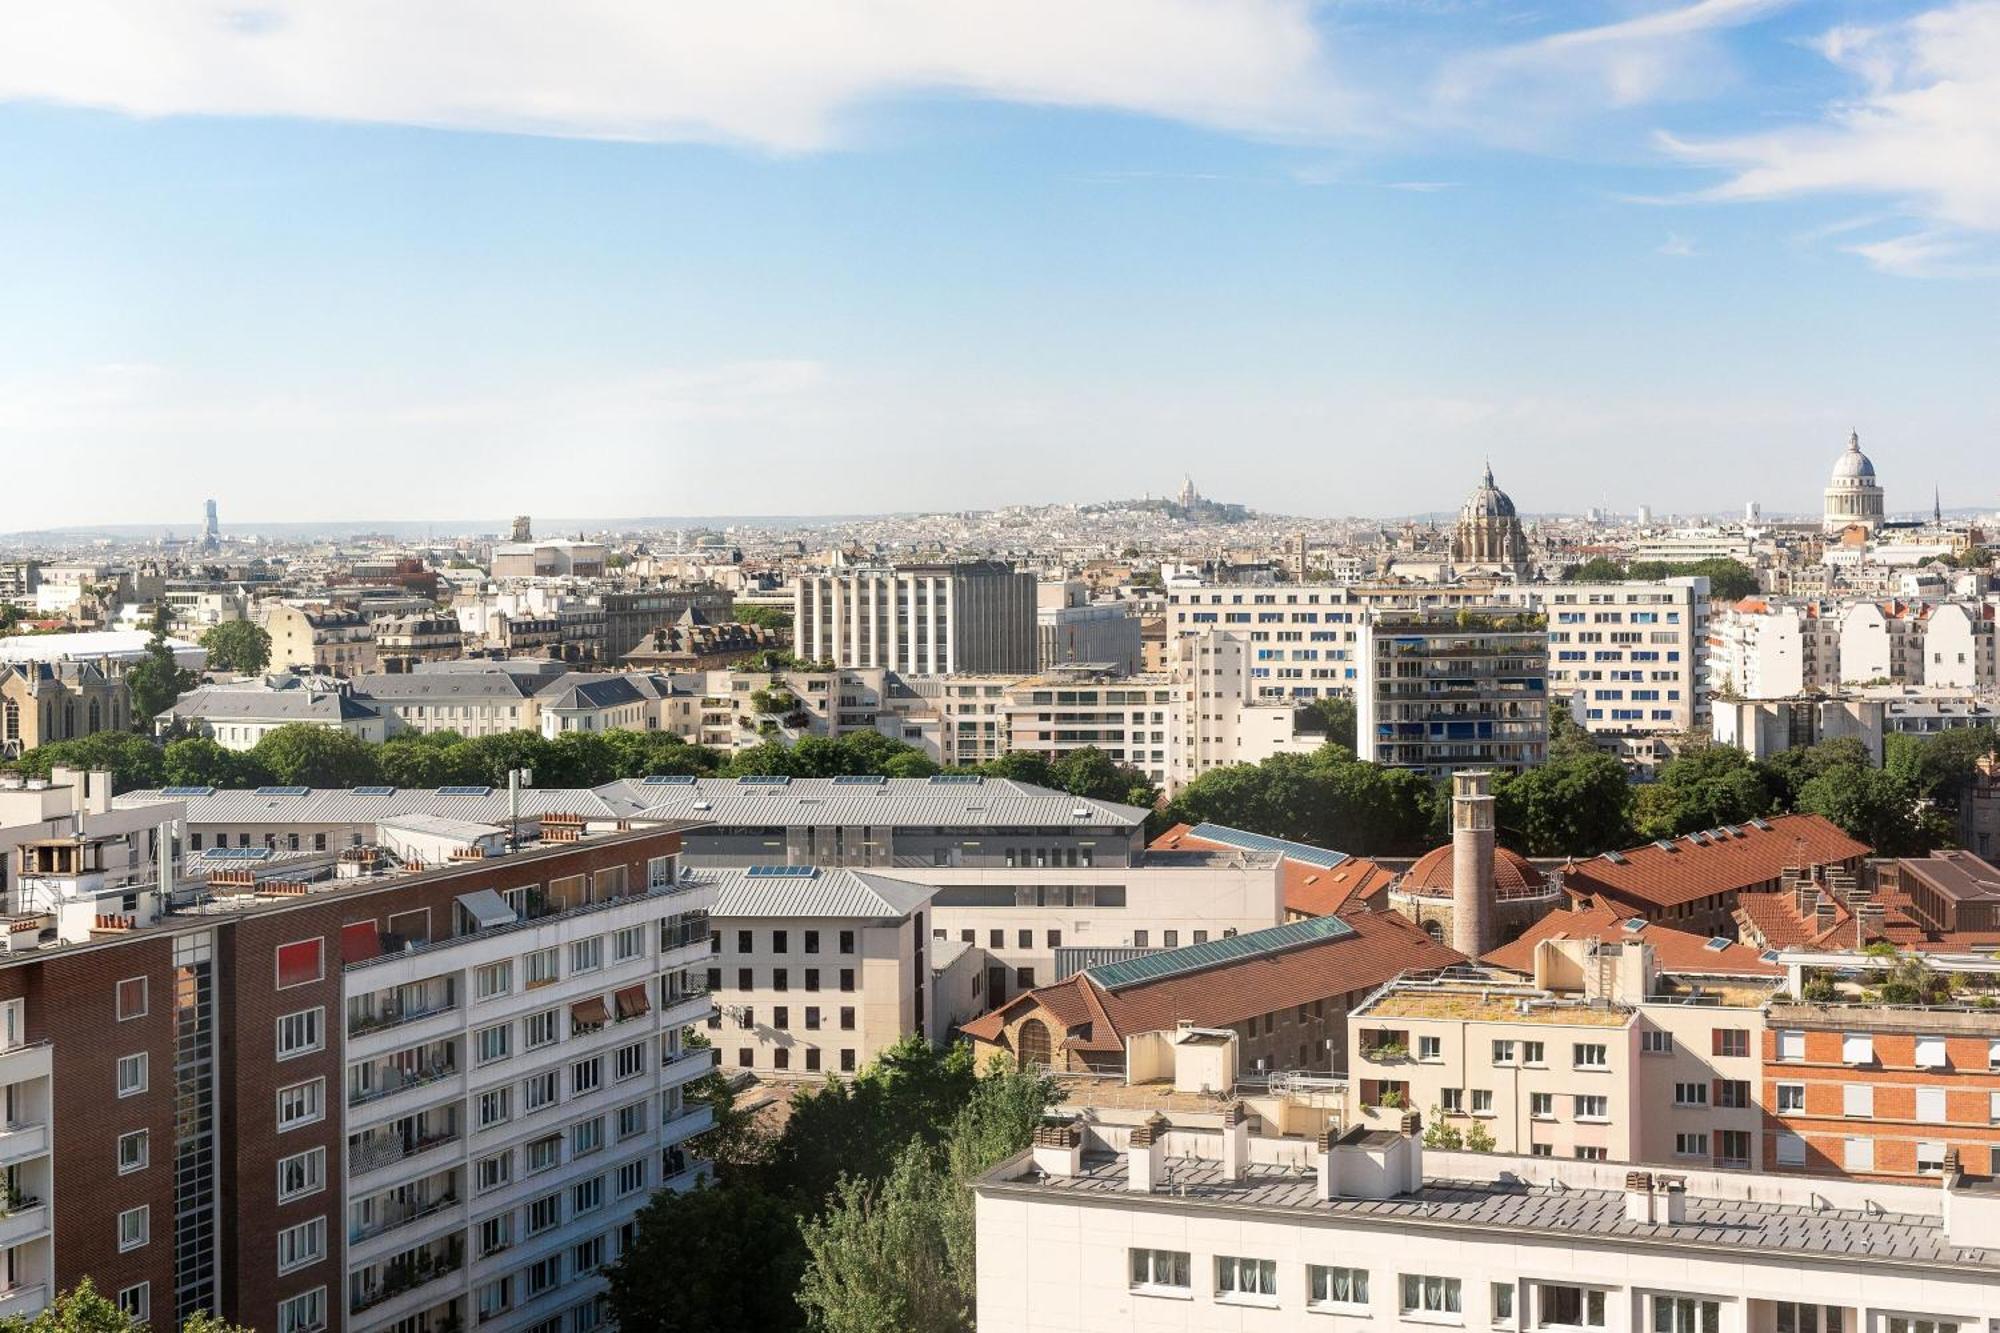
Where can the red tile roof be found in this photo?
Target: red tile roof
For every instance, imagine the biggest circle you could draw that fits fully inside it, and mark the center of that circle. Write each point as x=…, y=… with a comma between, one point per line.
x=1731, y=861
x=1310, y=890
x=1382, y=946
x=1512, y=873
x=1678, y=952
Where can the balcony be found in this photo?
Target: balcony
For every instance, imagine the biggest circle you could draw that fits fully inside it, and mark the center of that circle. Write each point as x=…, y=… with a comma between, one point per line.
x=19, y=1142
x=403, y=1005
x=375, y=1080
x=30, y=1060
x=400, y=1213
x=380, y=1283
x=24, y=1219
x=23, y=1301
x=398, y=1142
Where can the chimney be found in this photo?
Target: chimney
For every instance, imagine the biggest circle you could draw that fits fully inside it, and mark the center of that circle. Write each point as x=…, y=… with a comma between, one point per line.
x=1413, y=1151
x=1235, y=1142
x=1823, y=913
x=1329, y=1164
x=1059, y=1149
x=1146, y=1157
x=1672, y=1205
x=1639, y=1197
x=1472, y=862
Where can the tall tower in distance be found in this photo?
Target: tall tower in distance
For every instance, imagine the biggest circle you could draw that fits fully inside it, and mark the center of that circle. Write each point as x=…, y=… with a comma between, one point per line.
x=211, y=528
x=524, y=531
x=1472, y=862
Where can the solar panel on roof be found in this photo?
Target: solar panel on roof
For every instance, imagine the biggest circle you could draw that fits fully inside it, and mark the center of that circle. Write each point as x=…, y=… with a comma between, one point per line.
x=1635, y=923
x=283, y=791
x=1664, y=844
x=782, y=872
x=1718, y=943
x=1769, y=955
x=667, y=780
x=1763, y=824
x=239, y=854
x=1214, y=953
x=465, y=791
x=1260, y=842
x=859, y=780
x=956, y=779
x=374, y=791
x=187, y=791
x=765, y=780
x=1615, y=858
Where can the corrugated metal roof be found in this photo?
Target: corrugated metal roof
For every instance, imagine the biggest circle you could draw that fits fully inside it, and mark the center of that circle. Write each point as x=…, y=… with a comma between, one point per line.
x=1297, y=851
x=1214, y=953
x=835, y=891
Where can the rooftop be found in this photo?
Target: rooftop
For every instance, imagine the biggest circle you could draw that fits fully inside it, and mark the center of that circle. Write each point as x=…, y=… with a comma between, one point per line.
x=813, y=891
x=1718, y=861
x=1470, y=1002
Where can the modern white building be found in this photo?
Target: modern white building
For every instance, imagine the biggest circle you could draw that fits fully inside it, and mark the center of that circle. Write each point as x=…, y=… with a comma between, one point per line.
x=929, y=619
x=1631, y=657
x=1441, y=689
x=1761, y=648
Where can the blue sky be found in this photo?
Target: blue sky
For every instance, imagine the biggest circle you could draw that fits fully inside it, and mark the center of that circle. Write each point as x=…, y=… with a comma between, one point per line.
x=388, y=262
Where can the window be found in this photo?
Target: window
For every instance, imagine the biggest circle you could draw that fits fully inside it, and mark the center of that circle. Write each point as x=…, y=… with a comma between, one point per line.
x=543, y=1029
x=847, y=1060
x=301, y=1104
x=1859, y=1154
x=812, y=1018
x=1792, y=1317
x=586, y=1196
x=847, y=977
x=1732, y=1042
x=1531, y=1053
x=1337, y=1287
x=1482, y=1101
x=1452, y=1100
x=847, y=1019
x=1654, y=1042
x=1503, y=1303
x=134, y=1228
x=493, y=980
x=780, y=979
x=544, y=1213
x=1931, y=1053
x=1591, y=1055
x=494, y=1043
x=303, y=1313
x=1593, y=1108
x=628, y=944
x=812, y=941
x=1792, y=1046
x=496, y=1107
x=1897, y=1323
x=1691, y=1144
x=132, y=1152
x=1430, y=1048
x=1161, y=1272
x=1732, y=1094
x=1857, y=1048
x=586, y=1137
x=301, y=1033
x=586, y=955
x=136, y=1302
x=629, y=1061
x=812, y=978
x=495, y=1298
x=1570, y=1307
x=1930, y=1105
x=586, y=1076
x=1588, y=1154
x=1542, y=1105
x=301, y=1174
x=541, y=968
x=131, y=1074
x=538, y=1091
x=490, y=1173
x=302, y=1245
x=131, y=998
x=496, y=1233
x=1246, y=1281
x=1791, y=1150
x=1429, y=1295
x=1503, y=1052
x=1733, y=1147
x=1857, y=1099
x=301, y=963
x=544, y=1154
x=847, y=941
x=1690, y=1094
x=1791, y=1097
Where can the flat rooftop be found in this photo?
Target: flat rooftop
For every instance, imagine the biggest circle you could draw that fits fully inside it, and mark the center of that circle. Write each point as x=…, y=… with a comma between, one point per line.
x=1510, y=1207
x=1492, y=1005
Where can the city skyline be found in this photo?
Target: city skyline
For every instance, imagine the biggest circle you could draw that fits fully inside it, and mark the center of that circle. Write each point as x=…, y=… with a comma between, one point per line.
x=1689, y=246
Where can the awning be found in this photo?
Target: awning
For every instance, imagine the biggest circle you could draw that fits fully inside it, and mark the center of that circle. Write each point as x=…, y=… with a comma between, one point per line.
x=359, y=941
x=632, y=1002
x=590, y=1013
x=487, y=909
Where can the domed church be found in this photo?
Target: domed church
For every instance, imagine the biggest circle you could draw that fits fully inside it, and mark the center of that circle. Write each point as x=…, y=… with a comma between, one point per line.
x=1489, y=533
x=1853, y=496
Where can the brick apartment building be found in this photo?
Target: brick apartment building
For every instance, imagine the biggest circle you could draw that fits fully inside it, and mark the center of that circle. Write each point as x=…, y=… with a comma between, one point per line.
x=346, y=1092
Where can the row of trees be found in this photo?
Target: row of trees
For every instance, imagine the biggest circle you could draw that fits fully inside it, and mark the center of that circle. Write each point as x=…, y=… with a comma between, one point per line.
x=1582, y=801
x=856, y=1218
x=1728, y=580
x=311, y=756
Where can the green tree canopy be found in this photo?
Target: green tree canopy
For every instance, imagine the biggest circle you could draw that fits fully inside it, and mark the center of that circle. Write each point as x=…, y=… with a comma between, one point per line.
x=1701, y=789
x=197, y=761
x=156, y=680
x=1576, y=804
x=305, y=755
x=1336, y=716
x=83, y=1309
x=725, y=1256
x=238, y=645
x=133, y=761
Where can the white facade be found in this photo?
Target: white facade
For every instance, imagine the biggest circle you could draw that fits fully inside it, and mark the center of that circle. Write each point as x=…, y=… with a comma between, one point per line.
x=928, y=619
x=1630, y=656
x=1761, y=649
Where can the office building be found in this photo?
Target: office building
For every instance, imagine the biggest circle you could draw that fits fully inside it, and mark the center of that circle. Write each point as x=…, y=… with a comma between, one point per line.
x=928, y=619
x=1630, y=657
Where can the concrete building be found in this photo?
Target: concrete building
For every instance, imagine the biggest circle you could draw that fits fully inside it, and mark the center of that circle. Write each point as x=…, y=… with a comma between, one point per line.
x=1195, y=1220
x=1765, y=649
x=1631, y=657
x=346, y=1094
x=237, y=716
x=401, y=642
x=1441, y=690
x=1853, y=496
x=816, y=971
x=323, y=641
x=929, y=619
x=1071, y=628
x=1764, y=727
x=554, y=557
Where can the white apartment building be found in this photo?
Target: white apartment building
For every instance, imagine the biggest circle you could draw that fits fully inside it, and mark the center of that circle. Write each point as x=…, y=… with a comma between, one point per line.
x=1195, y=1222
x=1631, y=657
x=814, y=971
x=929, y=619
x=512, y=1098
x=1760, y=648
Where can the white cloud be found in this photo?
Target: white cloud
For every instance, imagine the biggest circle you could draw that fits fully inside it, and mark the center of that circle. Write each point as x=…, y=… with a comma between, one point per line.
x=1677, y=246
x=780, y=74
x=1924, y=132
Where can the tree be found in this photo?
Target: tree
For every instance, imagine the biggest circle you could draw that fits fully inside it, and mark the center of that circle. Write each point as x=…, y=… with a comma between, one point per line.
x=424, y=759
x=83, y=1309
x=1336, y=716
x=302, y=754
x=876, y=1260
x=1567, y=737
x=197, y=761
x=488, y=759
x=1019, y=766
x=1091, y=773
x=769, y=617
x=133, y=761
x=720, y=1256
x=156, y=680
x=1876, y=807
x=734, y=1140
x=238, y=645
x=1702, y=788
x=1597, y=569
x=1578, y=804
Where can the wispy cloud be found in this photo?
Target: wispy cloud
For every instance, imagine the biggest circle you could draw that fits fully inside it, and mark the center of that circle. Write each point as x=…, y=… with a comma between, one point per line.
x=1677, y=246
x=779, y=74
x=1924, y=131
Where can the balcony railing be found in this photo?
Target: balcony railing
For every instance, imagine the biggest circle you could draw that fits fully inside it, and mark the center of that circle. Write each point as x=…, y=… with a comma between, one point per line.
x=401, y=1215
x=528, y=923
x=406, y=1272
x=396, y=1080
x=375, y=1152
x=397, y=1015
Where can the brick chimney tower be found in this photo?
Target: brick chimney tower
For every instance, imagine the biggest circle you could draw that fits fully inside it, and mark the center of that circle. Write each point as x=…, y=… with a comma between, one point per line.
x=1472, y=906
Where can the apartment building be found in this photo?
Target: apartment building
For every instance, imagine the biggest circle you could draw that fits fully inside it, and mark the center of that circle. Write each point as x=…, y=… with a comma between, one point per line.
x=237, y=716
x=1071, y=628
x=348, y=1094
x=929, y=619
x=1195, y=1220
x=401, y=642
x=815, y=971
x=1631, y=657
x=1438, y=690
x=318, y=639
x=555, y=557
x=1761, y=648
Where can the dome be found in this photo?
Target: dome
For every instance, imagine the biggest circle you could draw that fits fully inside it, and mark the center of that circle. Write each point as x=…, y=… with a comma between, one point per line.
x=1853, y=464
x=1488, y=500
x=1430, y=877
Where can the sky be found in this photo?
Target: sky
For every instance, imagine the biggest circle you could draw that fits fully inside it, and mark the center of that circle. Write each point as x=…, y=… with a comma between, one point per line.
x=452, y=259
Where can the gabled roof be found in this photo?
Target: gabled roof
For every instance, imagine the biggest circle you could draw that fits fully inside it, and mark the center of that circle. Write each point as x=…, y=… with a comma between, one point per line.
x=1677, y=952
x=1725, y=860
x=1317, y=881
x=814, y=891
